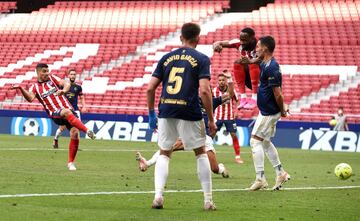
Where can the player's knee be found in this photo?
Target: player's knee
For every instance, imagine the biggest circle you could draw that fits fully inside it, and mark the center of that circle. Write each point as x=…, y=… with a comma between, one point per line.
x=65, y=112
x=255, y=143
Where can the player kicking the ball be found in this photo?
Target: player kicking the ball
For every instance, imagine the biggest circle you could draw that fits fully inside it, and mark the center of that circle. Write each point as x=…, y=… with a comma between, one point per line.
x=47, y=91
x=271, y=106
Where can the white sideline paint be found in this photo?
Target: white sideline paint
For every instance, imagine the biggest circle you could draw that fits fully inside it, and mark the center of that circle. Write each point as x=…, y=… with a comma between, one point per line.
x=167, y=191
x=80, y=51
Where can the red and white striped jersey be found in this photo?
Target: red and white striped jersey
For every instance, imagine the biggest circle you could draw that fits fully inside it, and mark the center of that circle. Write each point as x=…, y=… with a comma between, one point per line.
x=45, y=93
x=235, y=43
x=224, y=111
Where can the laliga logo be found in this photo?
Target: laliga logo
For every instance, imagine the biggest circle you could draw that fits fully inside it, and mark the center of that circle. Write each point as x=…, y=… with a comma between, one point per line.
x=346, y=141
x=31, y=126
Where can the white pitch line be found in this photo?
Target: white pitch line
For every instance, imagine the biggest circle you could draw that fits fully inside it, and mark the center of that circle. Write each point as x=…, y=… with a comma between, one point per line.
x=168, y=191
x=101, y=150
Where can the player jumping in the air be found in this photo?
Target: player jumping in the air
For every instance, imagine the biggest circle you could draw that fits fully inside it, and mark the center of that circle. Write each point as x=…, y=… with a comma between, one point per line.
x=48, y=91
x=182, y=73
x=225, y=114
x=72, y=95
x=271, y=106
x=246, y=70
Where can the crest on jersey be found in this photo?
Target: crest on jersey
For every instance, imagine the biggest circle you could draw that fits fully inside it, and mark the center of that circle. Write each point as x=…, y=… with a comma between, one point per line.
x=50, y=83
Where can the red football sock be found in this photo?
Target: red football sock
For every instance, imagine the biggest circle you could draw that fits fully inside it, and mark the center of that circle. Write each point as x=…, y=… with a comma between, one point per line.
x=73, y=148
x=236, y=146
x=75, y=122
x=254, y=70
x=239, y=74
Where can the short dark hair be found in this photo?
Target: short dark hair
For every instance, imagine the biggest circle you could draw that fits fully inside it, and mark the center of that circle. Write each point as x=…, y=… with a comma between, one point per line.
x=269, y=42
x=41, y=65
x=70, y=70
x=190, y=31
x=249, y=31
x=341, y=108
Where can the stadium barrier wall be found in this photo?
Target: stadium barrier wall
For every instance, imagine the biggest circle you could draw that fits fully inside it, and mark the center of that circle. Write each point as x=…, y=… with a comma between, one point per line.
x=304, y=135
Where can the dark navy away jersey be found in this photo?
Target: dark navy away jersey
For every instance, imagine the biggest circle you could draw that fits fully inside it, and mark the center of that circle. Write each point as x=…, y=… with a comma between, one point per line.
x=180, y=72
x=270, y=77
x=73, y=94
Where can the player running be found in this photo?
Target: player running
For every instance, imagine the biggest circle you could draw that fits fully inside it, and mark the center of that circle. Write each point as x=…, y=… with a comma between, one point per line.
x=182, y=72
x=47, y=91
x=271, y=105
x=225, y=113
x=246, y=70
x=72, y=95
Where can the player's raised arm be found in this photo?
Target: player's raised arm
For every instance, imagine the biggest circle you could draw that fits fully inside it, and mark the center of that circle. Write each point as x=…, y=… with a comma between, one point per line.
x=206, y=98
x=28, y=95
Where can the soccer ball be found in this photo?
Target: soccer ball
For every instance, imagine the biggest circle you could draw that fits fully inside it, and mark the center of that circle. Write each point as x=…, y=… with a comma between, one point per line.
x=332, y=122
x=343, y=171
x=31, y=127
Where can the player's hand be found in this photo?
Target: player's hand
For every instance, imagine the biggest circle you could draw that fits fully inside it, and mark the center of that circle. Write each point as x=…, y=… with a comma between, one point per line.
x=83, y=109
x=286, y=111
x=244, y=60
x=212, y=128
x=152, y=120
x=15, y=86
x=227, y=74
x=236, y=115
x=217, y=47
x=59, y=92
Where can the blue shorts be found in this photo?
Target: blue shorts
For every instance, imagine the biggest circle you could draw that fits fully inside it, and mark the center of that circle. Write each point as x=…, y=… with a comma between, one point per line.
x=230, y=125
x=59, y=121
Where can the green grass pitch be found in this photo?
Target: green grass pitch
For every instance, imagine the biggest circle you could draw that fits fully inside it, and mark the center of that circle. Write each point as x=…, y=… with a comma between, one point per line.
x=29, y=165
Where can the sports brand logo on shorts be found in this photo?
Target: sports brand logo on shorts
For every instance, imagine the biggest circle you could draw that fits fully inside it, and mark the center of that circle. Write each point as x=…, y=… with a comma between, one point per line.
x=31, y=126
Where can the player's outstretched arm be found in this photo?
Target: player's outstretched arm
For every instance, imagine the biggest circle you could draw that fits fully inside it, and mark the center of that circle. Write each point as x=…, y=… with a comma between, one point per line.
x=280, y=101
x=29, y=96
x=219, y=45
x=206, y=98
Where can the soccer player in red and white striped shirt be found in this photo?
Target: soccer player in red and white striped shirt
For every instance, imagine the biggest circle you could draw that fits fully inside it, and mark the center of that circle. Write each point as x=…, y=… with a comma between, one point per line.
x=227, y=113
x=246, y=46
x=47, y=91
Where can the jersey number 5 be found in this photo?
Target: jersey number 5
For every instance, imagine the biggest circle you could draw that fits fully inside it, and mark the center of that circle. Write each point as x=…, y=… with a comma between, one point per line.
x=175, y=79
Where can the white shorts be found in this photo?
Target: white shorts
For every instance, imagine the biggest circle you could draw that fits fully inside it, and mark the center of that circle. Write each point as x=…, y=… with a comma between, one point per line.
x=192, y=133
x=78, y=114
x=209, y=144
x=265, y=126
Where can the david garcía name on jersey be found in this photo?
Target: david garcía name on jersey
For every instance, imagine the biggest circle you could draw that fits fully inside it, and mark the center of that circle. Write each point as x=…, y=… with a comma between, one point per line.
x=177, y=57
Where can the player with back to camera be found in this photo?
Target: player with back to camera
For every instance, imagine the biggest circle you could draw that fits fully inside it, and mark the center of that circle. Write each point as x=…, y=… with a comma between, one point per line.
x=48, y=91
x=182, y=72
x=271, y=106
x=217, y=168
x=72, y=95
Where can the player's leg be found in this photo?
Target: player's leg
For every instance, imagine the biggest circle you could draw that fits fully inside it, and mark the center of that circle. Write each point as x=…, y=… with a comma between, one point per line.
x=57, y=135
x=73, y=147
x=217, y=168
x=232, y=129
x=240, y=75
x=167, y=135
x=193, y=137
x=254, y=71
x=68, y=115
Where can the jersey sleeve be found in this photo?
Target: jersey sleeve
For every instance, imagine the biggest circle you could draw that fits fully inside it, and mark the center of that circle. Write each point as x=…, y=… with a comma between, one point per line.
x=159, y=71
x=80, y=91
x=56, y=80
x=204, y=68
x=274, y=77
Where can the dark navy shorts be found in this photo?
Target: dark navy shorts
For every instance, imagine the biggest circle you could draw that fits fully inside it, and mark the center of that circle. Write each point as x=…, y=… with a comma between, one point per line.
x=230, y=125
x=59, y=121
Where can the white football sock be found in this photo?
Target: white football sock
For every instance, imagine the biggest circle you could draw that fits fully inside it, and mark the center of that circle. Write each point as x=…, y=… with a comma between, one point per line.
x=254, y=96
x=221, y=168
x=204, y=175
x=272, y=154
x=57, y=134
x=258, y=157
x=153, y=159
x=161, y=173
